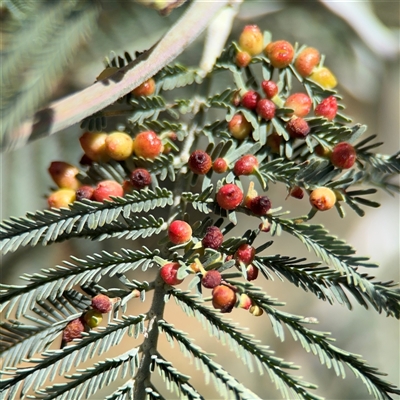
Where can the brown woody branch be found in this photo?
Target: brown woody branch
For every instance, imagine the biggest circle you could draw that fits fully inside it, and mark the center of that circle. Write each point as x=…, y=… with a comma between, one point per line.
x=72, y=109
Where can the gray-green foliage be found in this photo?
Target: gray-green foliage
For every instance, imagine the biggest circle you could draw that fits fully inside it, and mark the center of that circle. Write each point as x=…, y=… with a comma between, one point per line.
x=44, y=35
x=55, y=296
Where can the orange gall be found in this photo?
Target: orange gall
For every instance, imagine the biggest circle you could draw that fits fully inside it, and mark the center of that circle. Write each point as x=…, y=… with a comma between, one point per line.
x=323, y=198
x=179, y=232
x=223, y=298
x=147, y=88
x=64, y=175
x=280, y=53
x=306, y=61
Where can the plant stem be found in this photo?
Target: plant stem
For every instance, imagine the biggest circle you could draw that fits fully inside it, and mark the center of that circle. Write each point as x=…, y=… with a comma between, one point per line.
x=149, y=345
x=156, y=312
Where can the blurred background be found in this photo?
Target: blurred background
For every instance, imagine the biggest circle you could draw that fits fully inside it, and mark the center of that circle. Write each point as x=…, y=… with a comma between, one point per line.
x=361, y=43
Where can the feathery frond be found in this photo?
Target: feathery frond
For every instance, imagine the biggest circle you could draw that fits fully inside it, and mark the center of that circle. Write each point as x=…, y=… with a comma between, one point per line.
x=329, y=248
x=51, y=283
x=86, y=383
x=213, y=250
x=328, y=284
x=21, y=341
x=175, y=76
x=246, y=348
x=320, y=344
x=225, y=383
x=47, y=226
x=59, y=362
x=174, y=380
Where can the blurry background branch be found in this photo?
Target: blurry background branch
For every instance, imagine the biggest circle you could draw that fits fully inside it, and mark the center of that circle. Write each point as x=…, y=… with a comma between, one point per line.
x=20, y=99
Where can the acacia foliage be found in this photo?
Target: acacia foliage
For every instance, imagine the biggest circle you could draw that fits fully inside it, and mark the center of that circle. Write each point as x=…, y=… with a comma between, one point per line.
x=37, y=312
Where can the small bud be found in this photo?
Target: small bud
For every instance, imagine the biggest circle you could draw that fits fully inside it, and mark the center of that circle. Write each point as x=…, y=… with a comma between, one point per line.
x=297, y=192
x=270, y=89
x=298, y=128
x=324, y=77
x=102, y=303
x=135, y=293
x=94, y=145
x=211, y=279
x=327, y=108
x=73, y=330
x=256, y=311
x=147, y=88
x=84, y=192
x=220, y=166
x=300, y=103
x=252, y=272
x=93, y=318
x=245, y=254
x=259, y=205
x=239, y=127
x=147, y=145
x=127, y=186
x=213, y=238
x=61, y=198
x=280, y=53
x=250, y=100
x=242, y=59
x=306, y=61
x=105, y=189
x=265, y=226
x=343, y=155
x=64, y=175
x=140, y=178
x=245, y=165
x=266, y=109
x=169, y=274
x=119, y=146
x=244, y=301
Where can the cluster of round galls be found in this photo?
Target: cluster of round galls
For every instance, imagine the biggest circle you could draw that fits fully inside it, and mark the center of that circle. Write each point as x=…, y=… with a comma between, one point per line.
x=230, y=196
x=306, y=62
x=343, y=156
x=119, y=146
x=101, y=304
x=102, y=147
x=265, y=109
x=224, y=295
x=280, y=54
